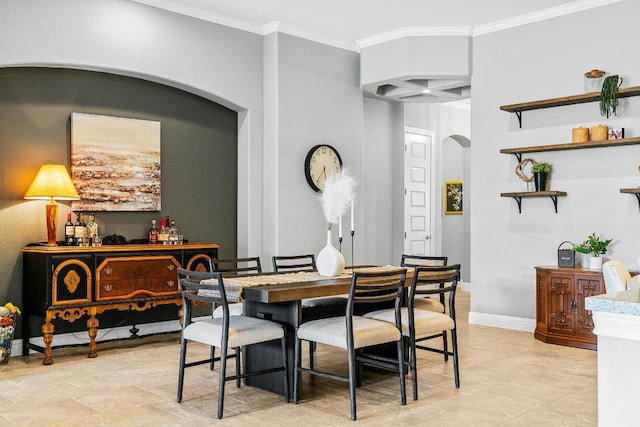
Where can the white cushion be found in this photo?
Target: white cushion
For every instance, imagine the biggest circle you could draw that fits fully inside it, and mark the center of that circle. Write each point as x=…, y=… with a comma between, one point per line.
x=235, y=309
x=615, y=276
x=430, y=304
x=243, y=330
x=634, y=282
x=333, y=331
x=426, y=322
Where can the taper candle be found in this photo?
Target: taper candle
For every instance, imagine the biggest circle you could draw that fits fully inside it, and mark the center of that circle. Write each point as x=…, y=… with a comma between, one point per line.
x=340, y=228
x=352, y=221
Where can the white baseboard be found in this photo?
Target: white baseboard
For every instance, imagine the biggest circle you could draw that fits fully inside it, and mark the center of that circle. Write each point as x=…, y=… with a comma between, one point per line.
x=464, y=286
x=82, y=337
x=500, y=321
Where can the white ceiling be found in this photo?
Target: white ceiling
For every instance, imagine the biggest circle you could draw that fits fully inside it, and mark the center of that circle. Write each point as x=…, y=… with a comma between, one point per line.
x=353, y=24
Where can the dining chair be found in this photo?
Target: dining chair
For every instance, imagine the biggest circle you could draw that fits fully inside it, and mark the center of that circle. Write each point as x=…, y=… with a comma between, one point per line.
x=312, y=308
x=424, y=302
x=225, y=332
x=420, y=324
x=230, y=267
x=354, y=333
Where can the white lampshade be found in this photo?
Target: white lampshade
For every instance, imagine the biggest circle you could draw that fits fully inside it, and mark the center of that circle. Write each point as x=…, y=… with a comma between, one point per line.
x=52, y=182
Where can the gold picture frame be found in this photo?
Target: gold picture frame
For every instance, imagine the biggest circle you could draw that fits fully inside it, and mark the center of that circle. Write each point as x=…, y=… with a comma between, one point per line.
x=453, y=197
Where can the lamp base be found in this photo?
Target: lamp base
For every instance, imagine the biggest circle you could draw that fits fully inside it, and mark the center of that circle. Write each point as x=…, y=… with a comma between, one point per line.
x=52, y=221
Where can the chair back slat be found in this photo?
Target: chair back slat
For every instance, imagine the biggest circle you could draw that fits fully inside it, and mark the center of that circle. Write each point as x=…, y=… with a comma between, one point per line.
x=446, y=276
x=192, y=289
x=293, y=263
x=375, y=287
x=236, y=266
x=423, y=260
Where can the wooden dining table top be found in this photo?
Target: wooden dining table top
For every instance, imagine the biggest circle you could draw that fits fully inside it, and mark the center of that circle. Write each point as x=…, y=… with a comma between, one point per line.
x=313, y=287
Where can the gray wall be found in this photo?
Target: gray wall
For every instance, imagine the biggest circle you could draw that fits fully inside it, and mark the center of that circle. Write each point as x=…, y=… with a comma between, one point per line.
x=538, y=61
x=317, y=101
x=198, y=157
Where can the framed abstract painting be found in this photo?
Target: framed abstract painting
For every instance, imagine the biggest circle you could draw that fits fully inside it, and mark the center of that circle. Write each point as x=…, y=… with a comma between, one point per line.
x=115, y=163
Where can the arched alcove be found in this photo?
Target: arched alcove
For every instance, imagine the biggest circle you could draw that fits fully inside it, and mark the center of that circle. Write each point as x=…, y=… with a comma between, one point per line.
x=455, y=158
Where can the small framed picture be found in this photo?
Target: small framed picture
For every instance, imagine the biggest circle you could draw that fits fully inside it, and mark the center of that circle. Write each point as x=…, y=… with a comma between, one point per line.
x=453, y=197
x=616, y=133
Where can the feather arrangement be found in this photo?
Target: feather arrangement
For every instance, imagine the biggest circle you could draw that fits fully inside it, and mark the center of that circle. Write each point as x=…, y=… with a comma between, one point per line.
x=338, y=193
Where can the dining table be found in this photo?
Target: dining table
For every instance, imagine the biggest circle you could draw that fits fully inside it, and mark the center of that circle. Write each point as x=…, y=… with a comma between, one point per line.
x=278, y=297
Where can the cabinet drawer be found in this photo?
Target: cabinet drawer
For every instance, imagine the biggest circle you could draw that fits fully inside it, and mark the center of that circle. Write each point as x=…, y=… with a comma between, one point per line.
x=140, y=276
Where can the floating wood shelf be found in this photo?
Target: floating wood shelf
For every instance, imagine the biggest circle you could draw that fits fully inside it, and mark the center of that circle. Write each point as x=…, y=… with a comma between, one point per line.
x=565, y=100
x=569, y=146
x=517, y=196
x=634, y=191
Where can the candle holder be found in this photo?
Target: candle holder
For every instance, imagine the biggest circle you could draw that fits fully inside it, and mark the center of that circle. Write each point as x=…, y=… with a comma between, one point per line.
x=353, y=262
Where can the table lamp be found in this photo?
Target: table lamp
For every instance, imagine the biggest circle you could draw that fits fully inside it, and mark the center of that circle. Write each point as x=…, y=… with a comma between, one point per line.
x=52, y=183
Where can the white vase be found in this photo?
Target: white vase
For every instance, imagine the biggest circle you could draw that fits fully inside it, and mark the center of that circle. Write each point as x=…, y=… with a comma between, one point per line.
x=595, y=263
x=330, y=261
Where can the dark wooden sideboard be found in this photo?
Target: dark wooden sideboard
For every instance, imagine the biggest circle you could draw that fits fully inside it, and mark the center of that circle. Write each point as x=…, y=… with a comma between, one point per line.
x=70, y=282
x=561, y=317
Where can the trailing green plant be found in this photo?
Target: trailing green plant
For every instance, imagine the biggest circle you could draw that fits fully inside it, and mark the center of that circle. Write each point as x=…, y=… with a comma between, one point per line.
x=609, y=95
x=540, y=167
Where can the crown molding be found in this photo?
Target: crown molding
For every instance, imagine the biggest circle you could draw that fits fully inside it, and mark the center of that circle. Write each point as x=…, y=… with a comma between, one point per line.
x=203, y=14
x=296, y=32
x=542, y=15
x=553, y=12
x=413, y=32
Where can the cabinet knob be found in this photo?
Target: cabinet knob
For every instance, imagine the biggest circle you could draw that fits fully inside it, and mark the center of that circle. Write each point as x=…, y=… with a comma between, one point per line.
x=108, y=288
x=171, y=267
x=170, y=283
x=574, y=305
x=108, y=270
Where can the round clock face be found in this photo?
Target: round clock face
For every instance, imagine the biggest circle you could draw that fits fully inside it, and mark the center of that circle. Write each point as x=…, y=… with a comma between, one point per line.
x=322, y=161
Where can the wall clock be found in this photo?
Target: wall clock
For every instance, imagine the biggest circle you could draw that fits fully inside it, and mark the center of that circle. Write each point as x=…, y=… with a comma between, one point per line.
x=322, y=161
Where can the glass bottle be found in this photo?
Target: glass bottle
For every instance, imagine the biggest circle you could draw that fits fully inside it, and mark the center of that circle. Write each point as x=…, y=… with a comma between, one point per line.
x=85, y=233
x=173, y=233
x=69, y=232
x=92, y=228
x=163, y=235
x=153, y=233
x=78, y=230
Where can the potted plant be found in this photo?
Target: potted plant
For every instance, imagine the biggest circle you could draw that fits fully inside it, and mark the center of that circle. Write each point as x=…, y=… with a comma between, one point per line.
x=609, y=95
x=540, y=172
x=583, y=250
x=596, y=247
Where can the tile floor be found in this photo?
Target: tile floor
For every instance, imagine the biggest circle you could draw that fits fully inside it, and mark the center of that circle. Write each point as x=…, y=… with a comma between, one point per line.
x=507, y=379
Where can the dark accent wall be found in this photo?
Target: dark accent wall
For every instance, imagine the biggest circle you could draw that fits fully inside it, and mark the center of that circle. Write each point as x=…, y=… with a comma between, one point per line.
x=198, y=160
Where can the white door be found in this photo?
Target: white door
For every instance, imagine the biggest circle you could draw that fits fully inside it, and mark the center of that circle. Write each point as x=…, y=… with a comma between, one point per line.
x=417, y=193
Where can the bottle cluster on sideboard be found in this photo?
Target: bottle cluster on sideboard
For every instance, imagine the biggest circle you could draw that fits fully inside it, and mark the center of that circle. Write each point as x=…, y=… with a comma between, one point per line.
x=82, y=233
x=167, y=234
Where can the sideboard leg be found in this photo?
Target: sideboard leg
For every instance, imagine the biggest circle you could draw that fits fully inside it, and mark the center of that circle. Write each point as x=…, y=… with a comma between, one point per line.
x=47, y=337
x=92, y=324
